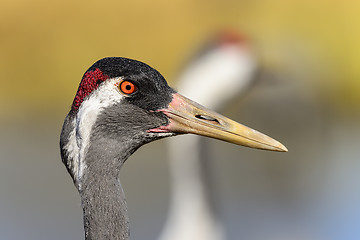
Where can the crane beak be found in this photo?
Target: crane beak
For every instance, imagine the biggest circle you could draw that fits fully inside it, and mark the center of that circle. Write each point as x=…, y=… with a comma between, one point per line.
x=187, y=116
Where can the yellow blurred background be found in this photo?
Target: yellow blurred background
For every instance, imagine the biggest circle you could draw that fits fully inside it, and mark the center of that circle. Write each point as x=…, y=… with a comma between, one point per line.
x=46, y=46
x=312, y=47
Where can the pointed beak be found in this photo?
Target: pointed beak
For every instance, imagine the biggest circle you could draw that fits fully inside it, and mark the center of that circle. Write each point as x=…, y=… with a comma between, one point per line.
x=187, y=116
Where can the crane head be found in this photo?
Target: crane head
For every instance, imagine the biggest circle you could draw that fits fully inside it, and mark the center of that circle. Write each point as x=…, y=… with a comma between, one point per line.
x=122, y=104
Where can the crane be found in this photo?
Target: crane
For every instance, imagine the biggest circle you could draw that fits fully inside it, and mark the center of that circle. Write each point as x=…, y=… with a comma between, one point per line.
x=226, y=60
x=120, y=105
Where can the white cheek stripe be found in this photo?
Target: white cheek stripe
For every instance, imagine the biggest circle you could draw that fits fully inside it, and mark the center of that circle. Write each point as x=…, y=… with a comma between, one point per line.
x=107, y=94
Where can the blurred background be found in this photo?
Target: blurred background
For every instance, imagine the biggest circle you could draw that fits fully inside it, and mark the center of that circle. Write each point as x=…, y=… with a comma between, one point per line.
x=308, y=97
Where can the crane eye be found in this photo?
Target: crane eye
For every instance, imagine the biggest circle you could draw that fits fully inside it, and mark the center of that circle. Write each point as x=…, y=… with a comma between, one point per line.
x=127, y=87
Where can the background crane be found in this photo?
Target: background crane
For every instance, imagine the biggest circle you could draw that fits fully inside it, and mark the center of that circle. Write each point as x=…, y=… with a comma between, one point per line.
x=222, y=70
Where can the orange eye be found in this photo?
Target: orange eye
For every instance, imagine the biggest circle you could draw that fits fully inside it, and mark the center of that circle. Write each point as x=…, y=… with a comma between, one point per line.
x=127, y=87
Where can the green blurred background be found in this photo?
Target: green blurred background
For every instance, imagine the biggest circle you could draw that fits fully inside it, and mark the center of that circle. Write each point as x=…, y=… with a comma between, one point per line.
x=310, y=51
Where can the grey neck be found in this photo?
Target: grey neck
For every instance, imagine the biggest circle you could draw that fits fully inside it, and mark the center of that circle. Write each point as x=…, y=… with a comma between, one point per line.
x=114, y=136
x=105, y=211
x=103, y=200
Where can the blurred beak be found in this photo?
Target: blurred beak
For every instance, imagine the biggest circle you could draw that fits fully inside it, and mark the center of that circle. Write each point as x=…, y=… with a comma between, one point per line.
x=187, y=116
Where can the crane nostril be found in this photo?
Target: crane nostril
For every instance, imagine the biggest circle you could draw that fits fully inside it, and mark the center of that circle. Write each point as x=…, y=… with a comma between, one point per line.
x=207, y=118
